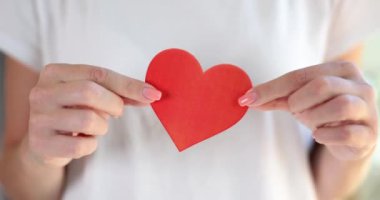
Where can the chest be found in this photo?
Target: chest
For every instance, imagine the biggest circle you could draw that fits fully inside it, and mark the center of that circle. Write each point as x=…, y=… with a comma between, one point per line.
x=265, y=38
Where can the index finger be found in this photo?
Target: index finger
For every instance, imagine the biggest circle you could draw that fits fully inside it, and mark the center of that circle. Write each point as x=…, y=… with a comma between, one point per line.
x=285, y=85
x=124, y=86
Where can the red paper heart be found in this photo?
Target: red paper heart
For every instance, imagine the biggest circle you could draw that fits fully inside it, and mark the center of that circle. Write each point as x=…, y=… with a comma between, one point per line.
x=195, y=105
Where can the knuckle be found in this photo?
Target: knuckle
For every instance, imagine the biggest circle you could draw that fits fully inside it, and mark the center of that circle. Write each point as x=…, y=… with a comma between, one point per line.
x=299, y=76
x=37, y=123
x=89, y=91
x=38, y=96
x=82, y=148
x=36, y=144
x=368, y=91
x=56, y=162
x=76, y=149
x=91, y=148
x=321, y=85
x=48, y=70
x=33, y=141
x=344, y=106
x=34, y=120
x=88, y=120
x=132, y=86
x=129, y=86
x=348, y=67
x=369, y=139
x=357, y=153
x=292, y=103
x=99, y=75
x=104, y=129
x=120, y=107
x=346, y=134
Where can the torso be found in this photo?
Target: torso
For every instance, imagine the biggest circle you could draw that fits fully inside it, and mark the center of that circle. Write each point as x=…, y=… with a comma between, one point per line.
x=264, y=156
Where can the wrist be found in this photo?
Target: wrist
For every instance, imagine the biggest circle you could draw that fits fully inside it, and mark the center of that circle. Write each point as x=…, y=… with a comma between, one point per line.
x=337, y=178
x=25, y=176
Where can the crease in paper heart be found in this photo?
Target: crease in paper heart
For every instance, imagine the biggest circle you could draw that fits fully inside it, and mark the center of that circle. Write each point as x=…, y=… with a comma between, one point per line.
x=195, y=105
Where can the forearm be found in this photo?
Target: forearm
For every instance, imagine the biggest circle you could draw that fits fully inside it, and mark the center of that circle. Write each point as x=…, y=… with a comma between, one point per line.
x=24, y=177
x=337, y=179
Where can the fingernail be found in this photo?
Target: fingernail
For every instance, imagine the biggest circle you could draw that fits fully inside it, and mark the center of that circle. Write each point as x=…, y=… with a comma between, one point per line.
x=247, y=99
x=151, y=94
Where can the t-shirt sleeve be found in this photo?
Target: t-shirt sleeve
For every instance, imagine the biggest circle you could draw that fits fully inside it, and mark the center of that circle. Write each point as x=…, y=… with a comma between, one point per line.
x=19, y=34
x=352, y=21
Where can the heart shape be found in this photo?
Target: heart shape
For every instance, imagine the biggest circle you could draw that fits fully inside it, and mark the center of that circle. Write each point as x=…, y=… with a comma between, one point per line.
x=195, y=105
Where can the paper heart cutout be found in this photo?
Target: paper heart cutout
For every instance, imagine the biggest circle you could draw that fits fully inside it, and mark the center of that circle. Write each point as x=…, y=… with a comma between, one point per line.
x=195, y=105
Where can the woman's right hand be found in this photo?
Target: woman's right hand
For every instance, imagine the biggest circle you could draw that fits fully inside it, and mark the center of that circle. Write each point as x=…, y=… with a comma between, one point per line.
x=70, y=106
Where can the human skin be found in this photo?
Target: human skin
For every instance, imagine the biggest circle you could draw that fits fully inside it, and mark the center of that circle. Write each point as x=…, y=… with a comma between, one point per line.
x=339, y=106
x=69, y=107
x=33, y=167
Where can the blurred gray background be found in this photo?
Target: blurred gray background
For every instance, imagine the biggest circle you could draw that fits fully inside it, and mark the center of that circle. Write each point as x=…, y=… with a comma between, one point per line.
x=1, y=97
x=1, y=106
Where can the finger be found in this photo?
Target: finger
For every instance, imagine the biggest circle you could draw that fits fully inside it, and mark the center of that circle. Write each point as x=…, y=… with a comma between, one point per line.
x=320, y=90
x=102, y=114
x=277, y=104
x=77, y=121
x=133, y=102
x=122, y=85
x=352, y=135
x=340, y=108
x=64, y=146
x=88, y=94
x=290, y=82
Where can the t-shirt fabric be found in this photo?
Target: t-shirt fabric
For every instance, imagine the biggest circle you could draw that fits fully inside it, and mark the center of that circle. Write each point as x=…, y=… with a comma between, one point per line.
x=264, y=156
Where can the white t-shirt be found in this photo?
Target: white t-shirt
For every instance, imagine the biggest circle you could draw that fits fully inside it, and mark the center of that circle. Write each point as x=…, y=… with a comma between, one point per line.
x=264, y=156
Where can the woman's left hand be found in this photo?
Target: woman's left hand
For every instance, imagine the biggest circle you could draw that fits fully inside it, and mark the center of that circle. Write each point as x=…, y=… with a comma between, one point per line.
x=332, y=99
